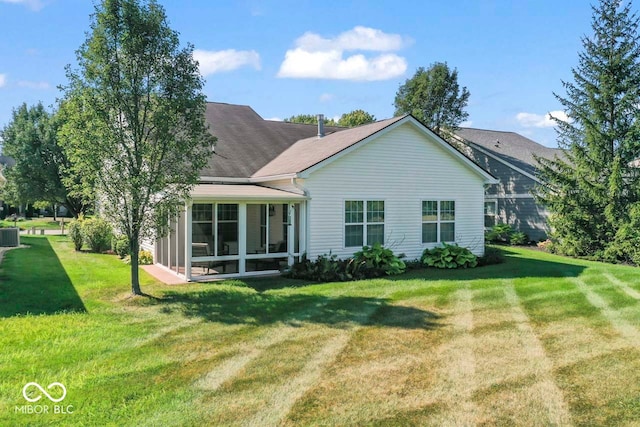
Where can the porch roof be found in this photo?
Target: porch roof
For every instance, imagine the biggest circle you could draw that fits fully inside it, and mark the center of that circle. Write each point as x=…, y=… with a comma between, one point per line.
x=241, y=192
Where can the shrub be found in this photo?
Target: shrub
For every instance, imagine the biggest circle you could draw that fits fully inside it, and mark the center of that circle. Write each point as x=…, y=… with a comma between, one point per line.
x=326, y=268
x=546, y=245
x=120, y=245
x=449, y=256
x=518, y=238
x=144, y=258
x=499, y=233
x=378, y=261
x=374, y=261
x=97, y=234
x=491, y=256
x=74, y=231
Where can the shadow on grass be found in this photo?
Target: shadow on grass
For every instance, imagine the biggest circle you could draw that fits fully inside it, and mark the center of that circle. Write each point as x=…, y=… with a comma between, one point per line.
x=231, y=306
x=33, y=281
x=514, y=267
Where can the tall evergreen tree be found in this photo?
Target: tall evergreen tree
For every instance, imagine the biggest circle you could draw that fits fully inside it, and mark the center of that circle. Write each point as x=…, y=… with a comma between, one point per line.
x=590, y=189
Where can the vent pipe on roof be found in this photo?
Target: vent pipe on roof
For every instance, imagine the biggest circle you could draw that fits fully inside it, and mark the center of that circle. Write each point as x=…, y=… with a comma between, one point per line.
x=320, y=125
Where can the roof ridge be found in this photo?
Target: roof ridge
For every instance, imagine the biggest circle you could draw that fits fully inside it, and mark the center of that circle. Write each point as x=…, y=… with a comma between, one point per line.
x=493, y=130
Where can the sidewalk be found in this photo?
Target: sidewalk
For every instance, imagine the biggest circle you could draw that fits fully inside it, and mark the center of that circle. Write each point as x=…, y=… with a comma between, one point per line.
x=163, y=275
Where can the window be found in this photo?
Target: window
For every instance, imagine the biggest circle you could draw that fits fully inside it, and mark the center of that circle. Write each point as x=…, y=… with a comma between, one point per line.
x=267, y=228
x=490, y=212
x=438, y=221
x=223, y=218
x=364, y=222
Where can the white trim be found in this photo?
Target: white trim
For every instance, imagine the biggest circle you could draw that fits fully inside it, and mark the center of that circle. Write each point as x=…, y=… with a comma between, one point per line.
x=504, y=162
x=249, y=180
x=490, y=197
x=188, y=244
x=439, y=221
x=365, y=224
x=242, y=237
x=244, y=192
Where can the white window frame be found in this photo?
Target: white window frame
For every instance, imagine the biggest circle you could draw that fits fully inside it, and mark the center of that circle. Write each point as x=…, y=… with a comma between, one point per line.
x=495, y=212
x=439, y=221
x=364, y=224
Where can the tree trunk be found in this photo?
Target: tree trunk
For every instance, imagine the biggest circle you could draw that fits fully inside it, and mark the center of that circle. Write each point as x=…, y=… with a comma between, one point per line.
x=55, y=211
x=134, y=246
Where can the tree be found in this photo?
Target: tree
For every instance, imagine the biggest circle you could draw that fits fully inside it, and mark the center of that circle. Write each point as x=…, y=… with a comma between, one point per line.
x=309, y=119
x=434, y=97
x=42, y=167
x=591, y=189
x=135, y=118
x=356, y=118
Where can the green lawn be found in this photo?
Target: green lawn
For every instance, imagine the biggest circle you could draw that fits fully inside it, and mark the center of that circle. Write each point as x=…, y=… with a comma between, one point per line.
x=39, y=223
x=539, y=340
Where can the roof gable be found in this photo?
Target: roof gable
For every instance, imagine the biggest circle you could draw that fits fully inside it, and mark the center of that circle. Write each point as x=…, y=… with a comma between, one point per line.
x=309, y=154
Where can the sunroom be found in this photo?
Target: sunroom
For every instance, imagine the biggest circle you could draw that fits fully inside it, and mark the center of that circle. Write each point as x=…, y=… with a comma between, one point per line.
x=234, y=230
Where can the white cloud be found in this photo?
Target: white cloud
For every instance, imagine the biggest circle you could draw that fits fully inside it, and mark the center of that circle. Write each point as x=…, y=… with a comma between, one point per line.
x=212, y=62
x=317, y=57
x=3, y=79
x=326, y=97
x=34, y=85
x=541, y=121
x=359, y=38
x=35, y=5
x=275, y=119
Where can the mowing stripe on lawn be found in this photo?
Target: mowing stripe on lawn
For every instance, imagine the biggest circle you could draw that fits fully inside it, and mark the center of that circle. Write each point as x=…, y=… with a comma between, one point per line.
x=626, y=288
x=625, y=329
x=462, y=364
x=234, y=365
x=550, y=394
x=273, y=336
x=282, y=399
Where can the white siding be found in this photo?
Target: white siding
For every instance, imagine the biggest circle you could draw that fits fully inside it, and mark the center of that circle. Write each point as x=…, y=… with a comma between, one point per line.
x=283, y=184
x=402, y=167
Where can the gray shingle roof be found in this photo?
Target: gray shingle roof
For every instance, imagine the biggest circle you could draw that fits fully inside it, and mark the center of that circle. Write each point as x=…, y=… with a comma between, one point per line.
x=247, y=142
x=509, y=146
x=310, y=151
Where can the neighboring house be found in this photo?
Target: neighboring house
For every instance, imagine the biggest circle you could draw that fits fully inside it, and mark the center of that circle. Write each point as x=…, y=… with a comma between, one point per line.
x=509, y=157
x=274, y=191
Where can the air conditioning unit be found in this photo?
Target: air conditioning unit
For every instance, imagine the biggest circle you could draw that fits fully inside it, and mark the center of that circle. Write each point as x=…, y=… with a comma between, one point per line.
x=9, y=237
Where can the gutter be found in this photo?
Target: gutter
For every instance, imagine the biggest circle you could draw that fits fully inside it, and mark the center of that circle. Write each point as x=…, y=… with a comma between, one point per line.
x=249, y=180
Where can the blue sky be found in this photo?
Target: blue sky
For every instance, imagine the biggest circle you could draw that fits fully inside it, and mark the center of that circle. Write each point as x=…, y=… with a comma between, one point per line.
x=292, y=57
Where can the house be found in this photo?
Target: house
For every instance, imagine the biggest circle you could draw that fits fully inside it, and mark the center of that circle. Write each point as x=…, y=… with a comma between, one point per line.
x=273, y=191
x=510, y=157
